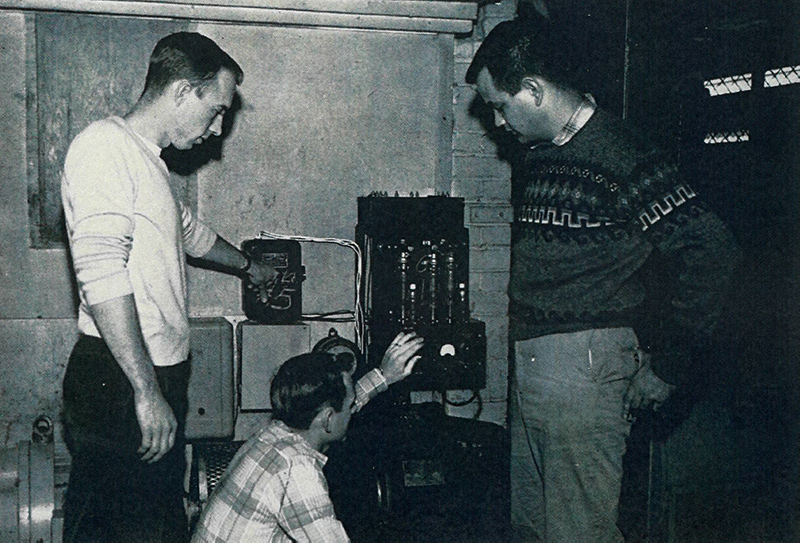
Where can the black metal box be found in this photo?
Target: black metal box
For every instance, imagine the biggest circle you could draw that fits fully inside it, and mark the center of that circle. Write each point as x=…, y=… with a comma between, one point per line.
x=284, y=304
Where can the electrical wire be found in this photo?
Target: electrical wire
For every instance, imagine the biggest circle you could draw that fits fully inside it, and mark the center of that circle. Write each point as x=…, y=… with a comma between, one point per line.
x=476, y=397
x=357, y=315
x=342, y=312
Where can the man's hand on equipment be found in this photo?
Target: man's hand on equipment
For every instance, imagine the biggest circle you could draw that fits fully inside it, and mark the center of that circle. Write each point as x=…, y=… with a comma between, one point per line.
x=158, y=425
x=400, y=357
x=261, y=277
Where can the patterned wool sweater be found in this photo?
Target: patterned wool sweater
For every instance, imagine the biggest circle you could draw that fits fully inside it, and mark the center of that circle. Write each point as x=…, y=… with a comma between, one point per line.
x=607, y=234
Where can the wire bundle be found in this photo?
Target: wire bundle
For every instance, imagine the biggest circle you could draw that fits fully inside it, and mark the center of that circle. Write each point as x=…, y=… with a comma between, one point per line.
x=357, y=314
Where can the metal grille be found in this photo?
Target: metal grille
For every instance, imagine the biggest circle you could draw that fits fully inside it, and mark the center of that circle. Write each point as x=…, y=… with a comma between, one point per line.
x=213, y=459
x=729, y=85
x=737, y=136
x=788, y=75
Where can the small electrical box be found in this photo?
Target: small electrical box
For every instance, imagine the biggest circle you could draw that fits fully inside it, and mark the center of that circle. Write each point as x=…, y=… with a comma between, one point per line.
x=283, y=304
x=211, y=387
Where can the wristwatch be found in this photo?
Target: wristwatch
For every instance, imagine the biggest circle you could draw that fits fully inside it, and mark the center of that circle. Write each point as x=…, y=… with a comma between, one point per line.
x=243, y=271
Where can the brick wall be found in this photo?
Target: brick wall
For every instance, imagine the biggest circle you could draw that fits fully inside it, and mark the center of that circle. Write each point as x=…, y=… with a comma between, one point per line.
x=483, y=180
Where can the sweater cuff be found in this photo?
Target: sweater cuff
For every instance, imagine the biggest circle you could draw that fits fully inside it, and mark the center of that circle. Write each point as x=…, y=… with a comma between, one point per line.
x=369, y=386
x=200, y=241
x=112, y=286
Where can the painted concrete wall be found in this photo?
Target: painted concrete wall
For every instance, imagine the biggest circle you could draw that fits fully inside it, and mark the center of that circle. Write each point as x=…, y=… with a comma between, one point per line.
x=325, y=119
x=328, y=115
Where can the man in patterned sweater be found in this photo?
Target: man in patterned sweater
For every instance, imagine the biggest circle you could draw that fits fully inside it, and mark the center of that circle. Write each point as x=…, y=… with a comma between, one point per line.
x=274, y=488
x=594, y=207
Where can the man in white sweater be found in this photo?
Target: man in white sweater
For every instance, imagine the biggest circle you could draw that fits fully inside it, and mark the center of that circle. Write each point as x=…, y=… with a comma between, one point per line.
x=126, y=382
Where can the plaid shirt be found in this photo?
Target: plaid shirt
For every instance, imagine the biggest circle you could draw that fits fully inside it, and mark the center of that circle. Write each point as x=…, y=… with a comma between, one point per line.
x=274, y=489
x=368, y=387
x=579, y=118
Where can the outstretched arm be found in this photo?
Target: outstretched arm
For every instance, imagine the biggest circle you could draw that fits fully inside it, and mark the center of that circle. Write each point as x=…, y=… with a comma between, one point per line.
x=397, y=364
x=229, y=258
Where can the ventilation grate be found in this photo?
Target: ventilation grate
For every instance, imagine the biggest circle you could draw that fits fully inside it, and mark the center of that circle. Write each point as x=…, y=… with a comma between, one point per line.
x=737, y=136
x=729, y=85
x=788, y=75
x=215, y=458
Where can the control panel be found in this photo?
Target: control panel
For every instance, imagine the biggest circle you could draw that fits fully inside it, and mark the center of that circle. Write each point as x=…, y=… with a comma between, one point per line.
x=416, y=253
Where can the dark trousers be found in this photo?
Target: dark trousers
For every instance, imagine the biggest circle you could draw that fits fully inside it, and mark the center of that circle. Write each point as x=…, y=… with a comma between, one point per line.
x=112, y=495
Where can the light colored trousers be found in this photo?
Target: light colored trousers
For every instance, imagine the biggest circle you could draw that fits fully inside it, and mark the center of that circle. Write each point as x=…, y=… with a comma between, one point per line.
x=568, y=434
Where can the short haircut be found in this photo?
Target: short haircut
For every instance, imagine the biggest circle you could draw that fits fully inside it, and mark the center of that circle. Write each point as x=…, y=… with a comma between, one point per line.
x=190, y=56
x=305, y=384
x=525, y=47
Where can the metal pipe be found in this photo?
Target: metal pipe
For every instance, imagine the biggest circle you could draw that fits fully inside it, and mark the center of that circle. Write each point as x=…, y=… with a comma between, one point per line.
x=27, y=492
x=181, y=9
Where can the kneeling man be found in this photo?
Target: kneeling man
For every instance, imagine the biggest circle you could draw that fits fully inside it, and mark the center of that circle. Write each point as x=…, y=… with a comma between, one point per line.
x=274, y=488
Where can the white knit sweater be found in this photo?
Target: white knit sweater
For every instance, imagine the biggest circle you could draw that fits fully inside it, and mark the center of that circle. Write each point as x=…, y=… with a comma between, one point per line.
x=128, y=234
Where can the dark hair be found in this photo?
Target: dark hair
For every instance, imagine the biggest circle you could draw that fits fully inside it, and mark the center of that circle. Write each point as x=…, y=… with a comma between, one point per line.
x=190, y=56
x=524, y=47
x=304, y=385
